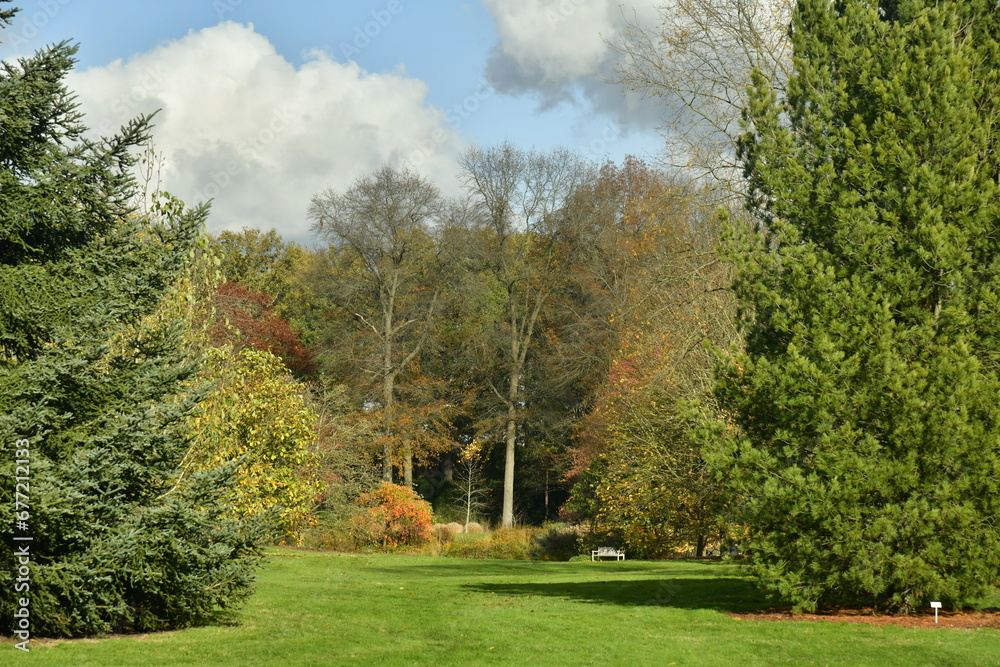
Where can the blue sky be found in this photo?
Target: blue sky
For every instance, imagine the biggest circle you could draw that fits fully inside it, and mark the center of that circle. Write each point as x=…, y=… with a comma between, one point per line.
x=264, y=104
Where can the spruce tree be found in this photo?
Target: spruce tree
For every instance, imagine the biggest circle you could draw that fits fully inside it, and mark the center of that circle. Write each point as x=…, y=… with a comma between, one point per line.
x=106, y=536
x=864, y=404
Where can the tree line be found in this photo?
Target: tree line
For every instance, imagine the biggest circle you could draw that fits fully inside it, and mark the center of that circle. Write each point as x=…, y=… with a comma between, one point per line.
x=492, y=322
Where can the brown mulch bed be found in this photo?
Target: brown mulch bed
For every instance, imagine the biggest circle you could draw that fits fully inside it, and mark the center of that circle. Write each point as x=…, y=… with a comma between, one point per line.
x=989, y=618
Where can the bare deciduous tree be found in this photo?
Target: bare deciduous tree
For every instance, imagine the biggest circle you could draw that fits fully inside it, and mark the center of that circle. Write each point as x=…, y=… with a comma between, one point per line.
x=698, y=59
x=380, y=229
x=474, y=495
x=518, y=193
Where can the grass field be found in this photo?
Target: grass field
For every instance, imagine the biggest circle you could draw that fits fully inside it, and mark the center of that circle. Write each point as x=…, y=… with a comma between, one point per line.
x=315, y=608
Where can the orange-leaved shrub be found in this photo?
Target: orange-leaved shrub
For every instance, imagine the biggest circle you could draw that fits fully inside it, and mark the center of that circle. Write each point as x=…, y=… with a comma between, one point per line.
x=393, y=516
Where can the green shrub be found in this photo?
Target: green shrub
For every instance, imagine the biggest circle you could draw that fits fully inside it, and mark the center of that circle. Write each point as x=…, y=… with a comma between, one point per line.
x=332, y=531
x=556, y=541
x=511, y=543
x=469, y=546
x=580, y=558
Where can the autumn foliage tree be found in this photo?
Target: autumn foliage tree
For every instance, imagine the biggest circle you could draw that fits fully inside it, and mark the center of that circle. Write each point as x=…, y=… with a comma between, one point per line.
x=521, y=258
x=264, y=263
x=255, y=415
x=382, y=282
x=242, y=318
x=641, y=475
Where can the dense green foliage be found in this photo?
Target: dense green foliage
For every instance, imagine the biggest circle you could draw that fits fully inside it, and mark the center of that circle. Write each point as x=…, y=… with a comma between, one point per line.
x=92, y=382
x=866, y=446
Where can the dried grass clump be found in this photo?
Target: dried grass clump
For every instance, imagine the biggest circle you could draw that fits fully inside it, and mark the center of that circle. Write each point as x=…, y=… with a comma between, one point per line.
x=442, y=533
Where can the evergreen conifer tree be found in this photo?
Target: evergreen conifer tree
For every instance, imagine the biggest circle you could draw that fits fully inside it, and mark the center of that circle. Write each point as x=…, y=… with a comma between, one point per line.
x=867, y=427
x=101, y=533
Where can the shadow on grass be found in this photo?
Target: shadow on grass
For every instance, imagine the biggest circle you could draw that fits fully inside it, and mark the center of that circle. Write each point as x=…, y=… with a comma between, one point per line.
x=679, y=584
x=726, y=594
x=473, y=567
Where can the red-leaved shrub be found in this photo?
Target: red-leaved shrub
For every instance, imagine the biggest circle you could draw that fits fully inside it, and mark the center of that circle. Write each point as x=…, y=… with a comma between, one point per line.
x=393, y=516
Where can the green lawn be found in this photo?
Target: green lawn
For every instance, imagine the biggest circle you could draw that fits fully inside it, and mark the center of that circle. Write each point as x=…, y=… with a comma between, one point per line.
x=315, y=608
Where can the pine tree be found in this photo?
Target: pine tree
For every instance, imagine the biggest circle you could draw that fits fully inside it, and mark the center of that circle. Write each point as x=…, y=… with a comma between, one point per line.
x=91, y=403
x=867, y=447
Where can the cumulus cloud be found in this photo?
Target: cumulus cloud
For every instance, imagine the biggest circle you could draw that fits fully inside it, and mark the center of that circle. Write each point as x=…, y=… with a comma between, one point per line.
x=241, y=125
x=559, y=50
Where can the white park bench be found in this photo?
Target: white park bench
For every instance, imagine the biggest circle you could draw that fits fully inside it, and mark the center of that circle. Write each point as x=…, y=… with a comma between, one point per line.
x=606, y=552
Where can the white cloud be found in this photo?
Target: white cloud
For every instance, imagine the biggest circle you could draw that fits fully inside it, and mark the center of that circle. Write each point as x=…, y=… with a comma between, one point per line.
x=556, y=40
x=559, y=50
x=240, y=124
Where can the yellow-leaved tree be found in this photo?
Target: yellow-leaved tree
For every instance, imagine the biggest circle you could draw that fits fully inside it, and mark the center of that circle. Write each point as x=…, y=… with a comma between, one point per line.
x=257, y=412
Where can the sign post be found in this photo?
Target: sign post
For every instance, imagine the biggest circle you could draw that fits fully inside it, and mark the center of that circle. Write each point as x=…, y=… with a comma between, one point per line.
x=935, y=606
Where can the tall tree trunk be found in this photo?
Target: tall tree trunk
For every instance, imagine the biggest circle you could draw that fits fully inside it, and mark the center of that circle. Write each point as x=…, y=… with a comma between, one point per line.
x=387, y=463
x=546, y=494
x=519, y=344
x=388, y=390
x=507, y=518
x=408, y=467
x=387, y=430
x=468, y=499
